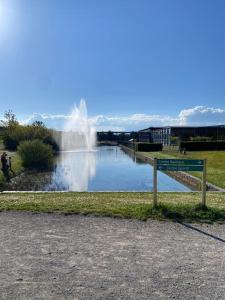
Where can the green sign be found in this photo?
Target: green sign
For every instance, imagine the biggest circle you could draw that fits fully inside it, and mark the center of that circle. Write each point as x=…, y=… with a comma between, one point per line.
x=177, y=165
x=179, y=168
x=181, y=162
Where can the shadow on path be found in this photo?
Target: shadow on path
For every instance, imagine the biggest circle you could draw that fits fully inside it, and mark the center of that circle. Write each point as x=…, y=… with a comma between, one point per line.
x=202, y=232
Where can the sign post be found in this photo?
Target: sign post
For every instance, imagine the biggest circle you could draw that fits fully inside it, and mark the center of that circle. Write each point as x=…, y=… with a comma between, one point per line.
x=155, y=183
x=204, y=184
x=178, y=165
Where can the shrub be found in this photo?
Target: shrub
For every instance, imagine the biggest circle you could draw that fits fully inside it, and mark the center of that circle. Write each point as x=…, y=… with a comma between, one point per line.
x=35, y=154
x=147, y=147
x=15, y=134
x=12, y=136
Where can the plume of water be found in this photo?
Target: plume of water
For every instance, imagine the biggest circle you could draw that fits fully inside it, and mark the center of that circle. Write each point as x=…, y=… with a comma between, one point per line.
x=78, y=132
x=77, y=161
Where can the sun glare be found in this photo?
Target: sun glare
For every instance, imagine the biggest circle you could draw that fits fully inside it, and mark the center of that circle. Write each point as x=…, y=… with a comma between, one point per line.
x=1, y=12
x=7, y=19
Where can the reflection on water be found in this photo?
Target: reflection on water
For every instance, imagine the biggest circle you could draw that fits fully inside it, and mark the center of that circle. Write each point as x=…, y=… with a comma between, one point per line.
x=73, y=171
x=107, y=169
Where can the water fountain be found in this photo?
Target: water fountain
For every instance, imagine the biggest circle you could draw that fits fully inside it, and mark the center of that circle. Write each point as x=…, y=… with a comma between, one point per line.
x=78, y=133
x=77, y=162
x=116, y=171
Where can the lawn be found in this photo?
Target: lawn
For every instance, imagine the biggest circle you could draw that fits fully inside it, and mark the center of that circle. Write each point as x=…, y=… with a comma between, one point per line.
x=215, y=163
x=173, y=206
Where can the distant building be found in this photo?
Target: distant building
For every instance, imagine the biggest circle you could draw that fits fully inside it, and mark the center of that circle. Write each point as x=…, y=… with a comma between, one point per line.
x=145, y=135
x=168, y=134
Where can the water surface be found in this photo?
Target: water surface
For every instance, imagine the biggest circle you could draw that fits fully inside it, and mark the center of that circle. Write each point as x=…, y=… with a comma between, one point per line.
x=107, y=168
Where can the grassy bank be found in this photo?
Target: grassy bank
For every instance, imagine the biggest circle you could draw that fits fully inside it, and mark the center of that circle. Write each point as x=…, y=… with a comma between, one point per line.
x=174, y=206
x=215, y=163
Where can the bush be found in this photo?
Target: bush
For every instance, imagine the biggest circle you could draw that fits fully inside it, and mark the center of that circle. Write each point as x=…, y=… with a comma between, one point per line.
x=12, y=136
x=36, y=155
x=148, y=147
x=143, y=147
x=15, y=134
x=203, y=146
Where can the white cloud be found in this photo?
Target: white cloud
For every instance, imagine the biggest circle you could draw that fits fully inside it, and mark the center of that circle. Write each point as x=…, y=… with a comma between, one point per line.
x=201, y=115
x=52, y=121
x=198, y=115
x=130, y=122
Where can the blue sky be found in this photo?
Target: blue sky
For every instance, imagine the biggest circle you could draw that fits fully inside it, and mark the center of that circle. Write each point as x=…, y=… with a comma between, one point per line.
x=143, y=61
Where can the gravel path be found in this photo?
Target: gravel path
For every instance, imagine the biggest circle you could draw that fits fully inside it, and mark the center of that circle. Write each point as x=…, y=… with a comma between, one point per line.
x=50, y=256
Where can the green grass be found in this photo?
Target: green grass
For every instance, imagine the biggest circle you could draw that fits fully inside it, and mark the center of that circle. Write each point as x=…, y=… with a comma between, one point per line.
x=215, y=163
x=173, y=206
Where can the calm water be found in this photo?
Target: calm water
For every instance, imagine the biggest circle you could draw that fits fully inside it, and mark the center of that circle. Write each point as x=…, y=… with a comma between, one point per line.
x=107, y=169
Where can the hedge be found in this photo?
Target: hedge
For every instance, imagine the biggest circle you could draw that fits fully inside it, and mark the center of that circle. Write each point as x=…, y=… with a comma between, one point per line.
x=148, y=147
x=203, y=146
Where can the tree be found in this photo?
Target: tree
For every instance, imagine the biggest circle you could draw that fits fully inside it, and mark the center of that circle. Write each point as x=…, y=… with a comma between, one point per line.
x=38, y=124
x=174, y=140
x=9, y=119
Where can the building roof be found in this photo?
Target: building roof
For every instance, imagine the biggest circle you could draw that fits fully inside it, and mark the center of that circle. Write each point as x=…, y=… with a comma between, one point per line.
x=181, y=127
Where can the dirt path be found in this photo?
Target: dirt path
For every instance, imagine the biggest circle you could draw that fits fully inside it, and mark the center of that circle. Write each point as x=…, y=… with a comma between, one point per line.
x=50, y=256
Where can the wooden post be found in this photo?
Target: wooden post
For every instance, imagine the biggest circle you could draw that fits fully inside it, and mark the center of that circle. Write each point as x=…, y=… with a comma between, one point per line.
x=155, y=183
x=204, y=185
